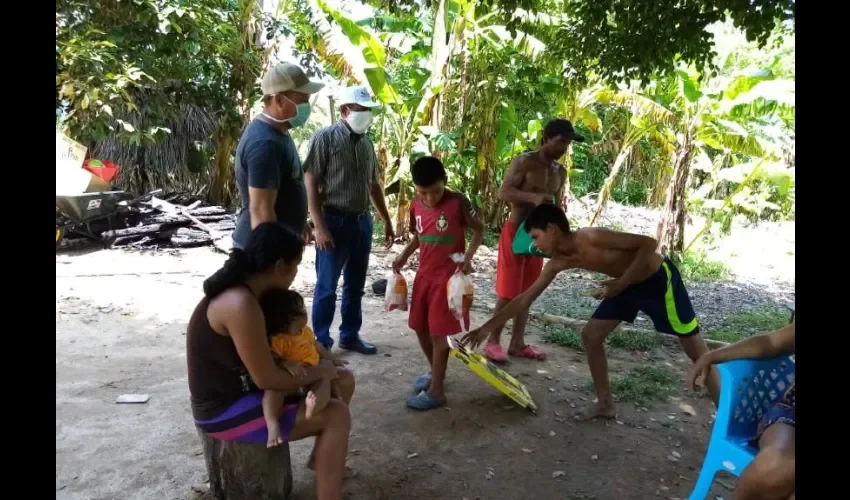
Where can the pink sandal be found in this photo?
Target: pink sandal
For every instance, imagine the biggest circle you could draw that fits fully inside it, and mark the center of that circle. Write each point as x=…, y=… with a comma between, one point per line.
x=528, y=352
x=495, y=353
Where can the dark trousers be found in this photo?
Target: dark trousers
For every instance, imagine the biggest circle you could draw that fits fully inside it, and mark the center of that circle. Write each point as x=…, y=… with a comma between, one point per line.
x=352, y=237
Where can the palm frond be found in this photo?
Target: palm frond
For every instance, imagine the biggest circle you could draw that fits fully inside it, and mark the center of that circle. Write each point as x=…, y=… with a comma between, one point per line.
x=638, y=105
x=524, y=43
x=338, y=64
x=727, y=135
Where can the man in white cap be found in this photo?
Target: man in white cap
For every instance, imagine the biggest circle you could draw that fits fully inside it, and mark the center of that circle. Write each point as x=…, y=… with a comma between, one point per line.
x=269, y=175
x=341, y=176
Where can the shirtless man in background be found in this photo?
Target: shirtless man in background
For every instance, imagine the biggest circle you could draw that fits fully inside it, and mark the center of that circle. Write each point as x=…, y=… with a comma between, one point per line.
x=643, y=280
x=533, y=178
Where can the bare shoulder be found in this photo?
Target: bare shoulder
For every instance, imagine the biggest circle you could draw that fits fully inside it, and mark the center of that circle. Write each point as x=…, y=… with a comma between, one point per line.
x=516, y=172
x=591, y=234
x=234, y=304
x=523, y=160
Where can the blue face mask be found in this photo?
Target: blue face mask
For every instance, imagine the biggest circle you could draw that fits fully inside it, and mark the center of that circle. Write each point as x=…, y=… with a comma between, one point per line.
x=302, y=114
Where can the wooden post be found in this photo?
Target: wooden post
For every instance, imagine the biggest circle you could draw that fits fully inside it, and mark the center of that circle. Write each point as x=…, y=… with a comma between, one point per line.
x=241, y=471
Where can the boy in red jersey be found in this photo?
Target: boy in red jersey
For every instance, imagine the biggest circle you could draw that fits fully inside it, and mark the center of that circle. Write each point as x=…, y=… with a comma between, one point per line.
x=438, y=220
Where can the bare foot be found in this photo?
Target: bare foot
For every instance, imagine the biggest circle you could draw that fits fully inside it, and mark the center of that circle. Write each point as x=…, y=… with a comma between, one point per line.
x=598, y=410
x=315, y=402
x=273, y=427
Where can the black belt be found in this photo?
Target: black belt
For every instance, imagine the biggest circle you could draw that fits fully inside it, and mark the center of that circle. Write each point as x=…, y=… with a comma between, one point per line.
x=345, y=214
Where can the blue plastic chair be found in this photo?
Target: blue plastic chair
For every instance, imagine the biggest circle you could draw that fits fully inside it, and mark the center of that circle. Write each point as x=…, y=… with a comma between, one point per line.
x=748, y=389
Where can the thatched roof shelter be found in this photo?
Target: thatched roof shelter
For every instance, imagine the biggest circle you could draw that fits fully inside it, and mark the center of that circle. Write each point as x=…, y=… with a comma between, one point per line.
x=177, y=160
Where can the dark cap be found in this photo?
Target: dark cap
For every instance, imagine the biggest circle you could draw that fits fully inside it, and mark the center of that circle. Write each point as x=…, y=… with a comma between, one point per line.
x=560, y=126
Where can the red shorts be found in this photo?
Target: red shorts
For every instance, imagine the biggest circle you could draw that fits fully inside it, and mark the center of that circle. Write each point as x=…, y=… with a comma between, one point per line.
x=514, y=273
x=429, y=308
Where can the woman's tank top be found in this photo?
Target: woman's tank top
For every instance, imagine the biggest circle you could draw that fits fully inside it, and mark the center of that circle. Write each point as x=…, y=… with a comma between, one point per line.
x=217, y=376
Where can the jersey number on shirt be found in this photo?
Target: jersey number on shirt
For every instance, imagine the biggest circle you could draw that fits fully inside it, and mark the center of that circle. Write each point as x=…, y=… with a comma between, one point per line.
x=419, y=224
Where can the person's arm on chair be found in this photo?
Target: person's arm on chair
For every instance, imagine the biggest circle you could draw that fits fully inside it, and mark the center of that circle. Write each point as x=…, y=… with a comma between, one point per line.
x=767, y=345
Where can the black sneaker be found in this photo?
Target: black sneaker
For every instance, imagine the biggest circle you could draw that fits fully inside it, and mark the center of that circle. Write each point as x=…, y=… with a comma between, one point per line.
x=359, y=346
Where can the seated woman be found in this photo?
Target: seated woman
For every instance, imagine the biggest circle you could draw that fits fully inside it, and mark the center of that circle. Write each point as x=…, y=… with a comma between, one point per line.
x=230, y=363
x=770, y=476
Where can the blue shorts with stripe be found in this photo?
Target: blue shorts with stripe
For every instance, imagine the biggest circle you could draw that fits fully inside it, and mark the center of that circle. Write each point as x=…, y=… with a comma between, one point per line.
x=662, y=297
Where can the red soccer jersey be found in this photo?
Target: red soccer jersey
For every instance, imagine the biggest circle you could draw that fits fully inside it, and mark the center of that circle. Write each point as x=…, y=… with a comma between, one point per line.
x=441, y=232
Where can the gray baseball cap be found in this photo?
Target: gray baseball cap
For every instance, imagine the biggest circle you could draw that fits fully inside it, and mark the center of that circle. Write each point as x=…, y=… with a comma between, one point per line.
x=286, y=76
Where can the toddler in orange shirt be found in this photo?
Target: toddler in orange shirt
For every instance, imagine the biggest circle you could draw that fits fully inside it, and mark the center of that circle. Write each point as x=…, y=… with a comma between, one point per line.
x=294, y=346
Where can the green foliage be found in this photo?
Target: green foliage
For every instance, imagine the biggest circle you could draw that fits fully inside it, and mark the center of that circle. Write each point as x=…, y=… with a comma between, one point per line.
x=131, y=72
x=642, y=385
x=694, y=266
x=109, y=53
x=491, y=240
x=589, y=168
x=563, y=336
x=166, y=86
x=378, y=231
x=728, y=336
x=621, y=40
x=635, y=341
x=745, y=324
x=631, y=341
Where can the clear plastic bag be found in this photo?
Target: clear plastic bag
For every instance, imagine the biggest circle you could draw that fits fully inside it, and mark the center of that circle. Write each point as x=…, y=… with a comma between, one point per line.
x=460, y=291
x=395, y=298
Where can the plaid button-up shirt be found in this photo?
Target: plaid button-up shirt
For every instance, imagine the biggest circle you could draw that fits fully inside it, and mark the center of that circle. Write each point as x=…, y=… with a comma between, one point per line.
x=345, y=166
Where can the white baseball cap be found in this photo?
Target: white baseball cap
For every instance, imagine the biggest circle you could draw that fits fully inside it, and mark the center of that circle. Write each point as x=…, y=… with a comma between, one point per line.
x=357, y=95
x=286, y=76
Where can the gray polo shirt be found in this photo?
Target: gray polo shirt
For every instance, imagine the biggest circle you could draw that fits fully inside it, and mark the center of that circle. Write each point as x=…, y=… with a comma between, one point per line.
x=345, y=165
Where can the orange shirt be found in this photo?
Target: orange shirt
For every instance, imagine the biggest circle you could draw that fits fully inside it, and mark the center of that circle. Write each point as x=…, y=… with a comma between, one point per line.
x=299, y=348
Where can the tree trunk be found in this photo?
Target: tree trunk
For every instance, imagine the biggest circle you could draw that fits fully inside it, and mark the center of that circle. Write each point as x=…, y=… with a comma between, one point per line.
x=242, y=82
x=241, y=471
x=402, y=212
x=608, y=185
x=671, y=227
x=221, y=180
x=485, y=160
x=564, y=194
x=383, y=160
x=332, y=108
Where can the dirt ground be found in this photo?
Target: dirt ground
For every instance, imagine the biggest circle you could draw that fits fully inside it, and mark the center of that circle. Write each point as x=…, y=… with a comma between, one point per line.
x=120, y=326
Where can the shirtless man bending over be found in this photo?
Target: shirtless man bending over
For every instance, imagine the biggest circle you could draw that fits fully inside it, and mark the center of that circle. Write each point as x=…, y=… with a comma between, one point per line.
x=533, y=178
x=643, y=280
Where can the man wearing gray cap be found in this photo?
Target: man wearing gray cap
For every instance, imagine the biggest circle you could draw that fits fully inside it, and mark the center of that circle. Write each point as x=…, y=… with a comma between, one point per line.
x=269, y=175
x=342, y=175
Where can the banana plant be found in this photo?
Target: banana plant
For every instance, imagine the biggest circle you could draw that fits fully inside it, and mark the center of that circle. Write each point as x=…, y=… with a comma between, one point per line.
x=645, y=117
x=418, y=120
x=710, y=115
x=401, y=119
